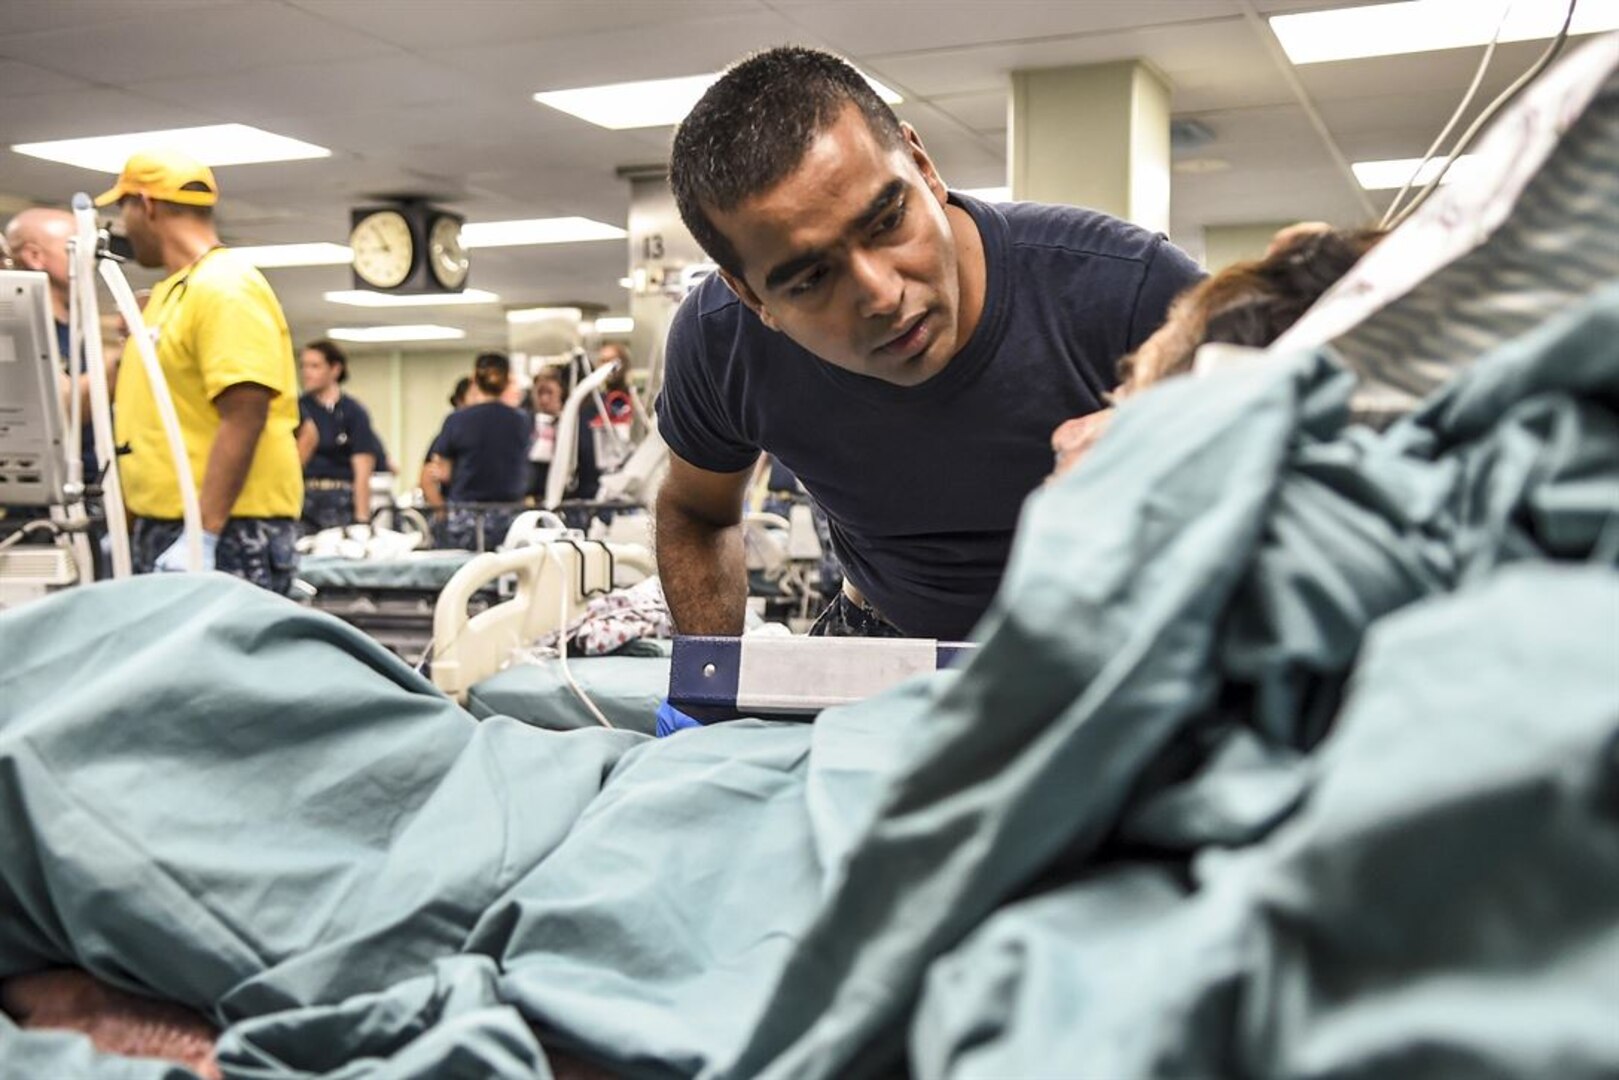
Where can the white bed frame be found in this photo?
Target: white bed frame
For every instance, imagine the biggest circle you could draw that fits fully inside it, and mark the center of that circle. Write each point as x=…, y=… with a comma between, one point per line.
x=469, y=648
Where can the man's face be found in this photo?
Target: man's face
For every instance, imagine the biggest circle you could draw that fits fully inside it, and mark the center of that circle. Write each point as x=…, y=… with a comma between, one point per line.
x=141, y=231
x=45, y=249
x=852, y=256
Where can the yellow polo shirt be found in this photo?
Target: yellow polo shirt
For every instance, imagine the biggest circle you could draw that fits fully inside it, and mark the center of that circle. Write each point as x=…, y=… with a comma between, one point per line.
x=217, y=324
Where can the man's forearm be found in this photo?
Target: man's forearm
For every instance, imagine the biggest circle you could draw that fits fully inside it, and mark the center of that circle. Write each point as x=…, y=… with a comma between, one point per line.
x=242, y=415
x=704, y=574
x=364, y=465
x=433, y=481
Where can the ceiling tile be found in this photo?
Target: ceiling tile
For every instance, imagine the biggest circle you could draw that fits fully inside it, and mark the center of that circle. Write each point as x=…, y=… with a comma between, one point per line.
x=215, y=40
x=689, y=47
x=19, y=80
x=30, y=16
x=431, y=26
x=983, y=111
x=93, y=112
x=862, y=27
x=385, y=82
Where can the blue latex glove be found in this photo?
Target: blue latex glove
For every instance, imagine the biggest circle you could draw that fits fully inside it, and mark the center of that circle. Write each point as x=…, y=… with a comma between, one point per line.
x=175, y=560
x=671, y=720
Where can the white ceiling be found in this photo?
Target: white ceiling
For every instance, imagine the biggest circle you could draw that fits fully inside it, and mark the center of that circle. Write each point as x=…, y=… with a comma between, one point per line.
x=434, y=97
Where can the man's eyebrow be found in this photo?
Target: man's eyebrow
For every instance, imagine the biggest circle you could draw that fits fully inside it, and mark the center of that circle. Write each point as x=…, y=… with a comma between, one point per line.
x=784, y=272
x=885, y=198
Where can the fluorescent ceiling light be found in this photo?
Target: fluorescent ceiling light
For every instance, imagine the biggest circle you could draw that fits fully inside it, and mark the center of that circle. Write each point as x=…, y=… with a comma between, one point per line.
x=367, y=298
x=559, y=230
x=652, y=103
x=543, y=314
x=989, y=194
x=1384, y=175
x=269, y=256
x=217, y=144
x=1313, y=37
x=615, y=324
x=374, y=334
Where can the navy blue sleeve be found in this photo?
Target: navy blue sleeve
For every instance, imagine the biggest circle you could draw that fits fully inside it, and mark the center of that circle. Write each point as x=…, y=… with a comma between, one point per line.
x=1170, y=272
x=691, y=418
x=586, y=476
x=444, y=442
x=361, y=437
x=304, y=414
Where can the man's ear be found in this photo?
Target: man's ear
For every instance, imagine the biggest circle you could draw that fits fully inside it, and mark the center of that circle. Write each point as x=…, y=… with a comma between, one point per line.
x=749, y=298
x=924, y=164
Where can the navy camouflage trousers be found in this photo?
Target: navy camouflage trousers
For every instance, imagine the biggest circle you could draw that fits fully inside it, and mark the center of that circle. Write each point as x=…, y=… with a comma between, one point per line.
x=459, y=527
x=327, y=508
x=259, y=550
x=845, y=618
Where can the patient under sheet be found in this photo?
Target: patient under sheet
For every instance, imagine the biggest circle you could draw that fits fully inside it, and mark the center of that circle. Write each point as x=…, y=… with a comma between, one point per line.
x=1289, y=749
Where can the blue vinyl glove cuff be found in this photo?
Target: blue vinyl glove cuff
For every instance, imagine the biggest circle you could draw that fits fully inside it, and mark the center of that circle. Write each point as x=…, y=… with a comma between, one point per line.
x=671, y=720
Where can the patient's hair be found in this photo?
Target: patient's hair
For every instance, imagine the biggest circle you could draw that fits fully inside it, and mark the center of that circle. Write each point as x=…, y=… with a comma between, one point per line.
x=492, y=371
x=753, y=127
x=1249, y=303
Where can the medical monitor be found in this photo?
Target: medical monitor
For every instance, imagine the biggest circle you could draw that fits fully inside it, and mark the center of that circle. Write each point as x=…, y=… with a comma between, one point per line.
x=33, y=458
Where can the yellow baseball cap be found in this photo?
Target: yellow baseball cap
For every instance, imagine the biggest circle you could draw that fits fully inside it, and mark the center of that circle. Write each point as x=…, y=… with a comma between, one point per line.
x=163, y=174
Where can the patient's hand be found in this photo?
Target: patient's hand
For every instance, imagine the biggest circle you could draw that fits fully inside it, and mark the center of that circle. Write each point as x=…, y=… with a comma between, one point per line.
x=1074, y=438
x=117, y=1022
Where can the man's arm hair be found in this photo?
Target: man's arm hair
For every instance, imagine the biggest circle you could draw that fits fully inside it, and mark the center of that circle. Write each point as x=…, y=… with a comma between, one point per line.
x=243, y=411
x=698, y=535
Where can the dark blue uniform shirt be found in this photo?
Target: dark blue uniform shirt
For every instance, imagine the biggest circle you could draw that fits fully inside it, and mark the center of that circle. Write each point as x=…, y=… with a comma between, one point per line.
x=87, y=433
x=489, y=445
x=922, y=484
x=344, y=430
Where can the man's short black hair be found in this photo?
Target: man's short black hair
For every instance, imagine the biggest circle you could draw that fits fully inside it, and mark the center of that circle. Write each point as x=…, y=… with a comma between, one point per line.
x=753, y=128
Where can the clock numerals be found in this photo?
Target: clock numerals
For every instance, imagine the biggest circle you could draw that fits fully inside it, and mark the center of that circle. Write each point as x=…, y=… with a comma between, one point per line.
x=384, y=250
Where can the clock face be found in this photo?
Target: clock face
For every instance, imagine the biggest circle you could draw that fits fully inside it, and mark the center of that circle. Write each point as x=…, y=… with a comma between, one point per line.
x=384, y=250
x=446, y=257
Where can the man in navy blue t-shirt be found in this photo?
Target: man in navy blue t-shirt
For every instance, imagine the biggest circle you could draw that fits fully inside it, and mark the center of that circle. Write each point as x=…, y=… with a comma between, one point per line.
x=905, y=350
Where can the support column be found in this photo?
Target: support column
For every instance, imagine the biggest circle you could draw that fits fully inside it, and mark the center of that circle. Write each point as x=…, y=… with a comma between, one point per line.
x=659, y=249
x=1094, y=136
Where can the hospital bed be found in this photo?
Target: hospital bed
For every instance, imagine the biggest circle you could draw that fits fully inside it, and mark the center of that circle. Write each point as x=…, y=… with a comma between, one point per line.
x=783, y=559
x=390, y=599
x=473, y=657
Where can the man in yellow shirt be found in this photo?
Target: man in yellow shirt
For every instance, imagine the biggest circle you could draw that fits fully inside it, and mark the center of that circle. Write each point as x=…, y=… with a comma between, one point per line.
x=226, y=353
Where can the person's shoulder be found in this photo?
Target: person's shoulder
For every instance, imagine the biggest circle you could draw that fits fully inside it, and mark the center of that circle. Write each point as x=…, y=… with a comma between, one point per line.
x=710, y=310
x=1078, y=230
x=225, y=272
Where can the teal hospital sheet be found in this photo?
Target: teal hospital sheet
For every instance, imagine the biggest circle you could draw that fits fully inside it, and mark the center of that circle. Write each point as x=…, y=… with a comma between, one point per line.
x=1288, y=750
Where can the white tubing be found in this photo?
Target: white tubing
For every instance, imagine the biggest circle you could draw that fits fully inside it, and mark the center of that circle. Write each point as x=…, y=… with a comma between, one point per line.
x=130, y=308
x=75, y=368
x=88, y=327
x=566, y=459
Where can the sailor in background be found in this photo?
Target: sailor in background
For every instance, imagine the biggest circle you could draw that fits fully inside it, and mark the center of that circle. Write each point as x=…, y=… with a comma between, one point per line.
x=335, y=442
